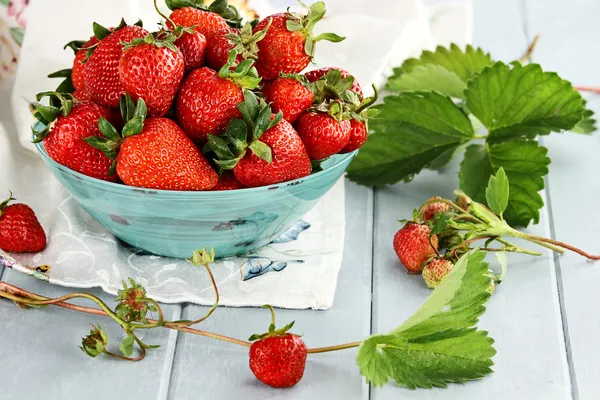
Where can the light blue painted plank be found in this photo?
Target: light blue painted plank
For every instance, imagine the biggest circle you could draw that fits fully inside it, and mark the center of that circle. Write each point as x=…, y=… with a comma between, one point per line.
x=41, y=359
x=569, y=35
x=523, y=314
x=207, y=369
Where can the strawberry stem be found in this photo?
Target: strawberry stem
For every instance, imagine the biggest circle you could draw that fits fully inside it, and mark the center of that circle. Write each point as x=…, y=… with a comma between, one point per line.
x=214, y=306
x=593, y=89
x=526, y=57
x=545, y=241
x=120, y=357
x=328, y=349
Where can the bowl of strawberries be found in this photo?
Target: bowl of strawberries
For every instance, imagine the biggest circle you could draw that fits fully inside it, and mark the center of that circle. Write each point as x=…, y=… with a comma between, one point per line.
x=204, y=133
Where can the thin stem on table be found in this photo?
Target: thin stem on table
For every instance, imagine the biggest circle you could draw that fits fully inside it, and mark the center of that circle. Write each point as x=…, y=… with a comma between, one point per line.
x=328, y=349
x=592, y=89
x=545, y=242
x=526, y=57
x=214, y=306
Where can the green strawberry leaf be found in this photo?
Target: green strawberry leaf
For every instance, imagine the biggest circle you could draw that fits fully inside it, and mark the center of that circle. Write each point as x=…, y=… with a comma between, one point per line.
x=429, y=77
x=127, y=345
x=497, y=191
x=412, y=130
x=525, y=163
x=446, y=70
x=587, y=124
x=518, y=101
x=438, y=344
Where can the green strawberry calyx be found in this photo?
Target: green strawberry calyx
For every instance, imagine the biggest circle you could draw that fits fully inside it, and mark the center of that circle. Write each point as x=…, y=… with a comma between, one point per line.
x=59, y=104
x=163, y=38
x=133, y=116
x=4, y=204
x=246, y=42
x=243, y=134
x=273, y=332
x=306, y=23
x=100, y=32
x=66, y=86
x=243, y=74
x=220, y=7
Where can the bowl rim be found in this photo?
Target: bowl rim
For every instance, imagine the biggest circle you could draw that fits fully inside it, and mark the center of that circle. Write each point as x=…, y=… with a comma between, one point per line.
x=190, y=193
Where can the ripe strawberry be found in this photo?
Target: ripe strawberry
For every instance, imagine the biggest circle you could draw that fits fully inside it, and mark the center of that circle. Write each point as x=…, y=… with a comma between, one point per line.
x=289, y=44
x=20, y=230
x=290, y=95
x=77, y=74
x=227, y=181
x=205, y=22
x=244, y=41
x=358, y=136
x=193, y=47
x=152, y=68
x=435, y=272
x=181, y=166
x=322, y=134
x=82, y=95
x=275, y=153
x=207, y=100
x=64, y=139
x=414, y=246
x=432, y=209
x=278, y=358
x=316, y=74
x=101, y=73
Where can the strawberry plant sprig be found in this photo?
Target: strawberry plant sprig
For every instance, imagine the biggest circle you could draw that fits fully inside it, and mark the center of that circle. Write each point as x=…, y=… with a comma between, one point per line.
x=442, y=332
x=451, y=99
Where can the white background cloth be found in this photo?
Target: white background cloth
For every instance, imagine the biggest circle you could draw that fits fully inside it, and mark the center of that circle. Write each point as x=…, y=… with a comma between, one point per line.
x=82, y=254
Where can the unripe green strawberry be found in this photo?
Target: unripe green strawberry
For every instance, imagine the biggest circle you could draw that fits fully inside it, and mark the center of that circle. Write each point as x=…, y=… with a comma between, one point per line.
x=414, y=246
x=435, y=272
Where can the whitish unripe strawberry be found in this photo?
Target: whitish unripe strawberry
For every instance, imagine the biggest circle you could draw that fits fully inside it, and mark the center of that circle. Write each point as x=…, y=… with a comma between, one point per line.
x=435, y=272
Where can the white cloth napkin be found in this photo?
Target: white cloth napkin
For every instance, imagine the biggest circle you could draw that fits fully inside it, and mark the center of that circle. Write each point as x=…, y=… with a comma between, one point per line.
x=297, y=271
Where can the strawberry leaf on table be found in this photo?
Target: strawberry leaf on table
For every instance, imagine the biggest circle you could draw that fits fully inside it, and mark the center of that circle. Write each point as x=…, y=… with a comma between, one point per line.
x=444, y=70
x=415, y=128
x=522, y=102
x=525, y=163
x=440, y=333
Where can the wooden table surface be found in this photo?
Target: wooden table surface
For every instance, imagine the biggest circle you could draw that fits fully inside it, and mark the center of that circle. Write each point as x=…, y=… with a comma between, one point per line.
x=543, y=316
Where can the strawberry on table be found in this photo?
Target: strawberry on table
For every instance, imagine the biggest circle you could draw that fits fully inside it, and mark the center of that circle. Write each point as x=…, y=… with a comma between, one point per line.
x=20, y=230
x=323, y=134
x=291, y=95
x=414, y=245
x=101, y=72
x=152, y=68
x=208, y=100
x=68, y=122
x=289, y=44
x=244, y=41
x=261, y=149
x=278, y=358
x=181, y=166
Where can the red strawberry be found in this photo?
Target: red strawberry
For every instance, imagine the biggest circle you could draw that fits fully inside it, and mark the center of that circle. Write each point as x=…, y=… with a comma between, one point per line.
x=414, y=246
x=435, y=271
x=179, y=166
x=358, y=136
x=278, y=358
x=290, y=96
x=244, y=41
x=82, y=95
x=274, y=154
x=152, y=69
x=432, y=209
x=289, y=159
x=289, y=44
x=322, y=134
x=205, y=22
x=316, y=74
x=207, y=100
x=77, y=73
x=20, y=230
x=73, y=122
x=101, y=73
x=193, y=48
x=227, y=181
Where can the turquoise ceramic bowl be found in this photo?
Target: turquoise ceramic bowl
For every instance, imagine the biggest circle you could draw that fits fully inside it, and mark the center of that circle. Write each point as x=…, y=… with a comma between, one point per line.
x=173, y=224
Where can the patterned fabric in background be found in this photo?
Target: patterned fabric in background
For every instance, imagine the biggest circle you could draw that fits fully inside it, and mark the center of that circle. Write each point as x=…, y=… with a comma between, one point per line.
x=13, y=20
